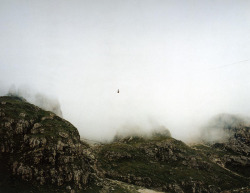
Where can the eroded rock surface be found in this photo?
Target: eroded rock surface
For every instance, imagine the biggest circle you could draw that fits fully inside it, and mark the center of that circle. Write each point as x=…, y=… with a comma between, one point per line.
x=41, y=147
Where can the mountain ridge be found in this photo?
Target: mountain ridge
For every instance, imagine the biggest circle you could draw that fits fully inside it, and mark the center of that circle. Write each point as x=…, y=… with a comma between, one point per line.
x=41, y=152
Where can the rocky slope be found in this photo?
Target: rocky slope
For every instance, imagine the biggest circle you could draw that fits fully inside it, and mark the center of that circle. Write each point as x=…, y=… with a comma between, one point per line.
x=165, y=164
x=41, y=152
x=232, y=149
x=40, y=148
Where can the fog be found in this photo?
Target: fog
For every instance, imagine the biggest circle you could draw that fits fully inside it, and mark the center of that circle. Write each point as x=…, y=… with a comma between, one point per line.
x=176, y=63
x=47, y=103
x=222, y=127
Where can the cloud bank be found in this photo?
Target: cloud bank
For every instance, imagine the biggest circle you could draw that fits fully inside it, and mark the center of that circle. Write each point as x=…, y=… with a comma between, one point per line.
x=176, y=63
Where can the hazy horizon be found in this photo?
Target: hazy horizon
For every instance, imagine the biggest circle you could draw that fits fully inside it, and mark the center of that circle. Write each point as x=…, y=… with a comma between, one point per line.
x=176, y=63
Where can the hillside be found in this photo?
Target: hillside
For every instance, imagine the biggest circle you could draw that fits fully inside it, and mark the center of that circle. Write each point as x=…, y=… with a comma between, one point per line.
x=40, y=148
x=41, y=152
x=166, y=164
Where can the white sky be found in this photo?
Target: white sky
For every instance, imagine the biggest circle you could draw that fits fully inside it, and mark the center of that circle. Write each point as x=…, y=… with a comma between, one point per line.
x=176, y=63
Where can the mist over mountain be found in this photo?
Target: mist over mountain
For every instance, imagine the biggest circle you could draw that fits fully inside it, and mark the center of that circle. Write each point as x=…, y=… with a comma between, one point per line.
x=124, y=96
x=213, y=127
x=175, y=63
x=41, y=152
x=223, y=126
x=41, y=100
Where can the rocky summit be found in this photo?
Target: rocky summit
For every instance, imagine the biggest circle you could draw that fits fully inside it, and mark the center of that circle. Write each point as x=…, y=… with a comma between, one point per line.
x=41, y=152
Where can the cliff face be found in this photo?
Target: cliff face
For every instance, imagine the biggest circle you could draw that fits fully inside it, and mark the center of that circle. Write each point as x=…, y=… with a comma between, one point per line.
x=40, y=147
x=41, y=152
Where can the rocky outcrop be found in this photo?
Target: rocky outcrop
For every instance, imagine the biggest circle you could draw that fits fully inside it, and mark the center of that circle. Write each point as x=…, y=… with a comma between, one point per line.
x=42, y=148
x=233, y=144
x=164, y=164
